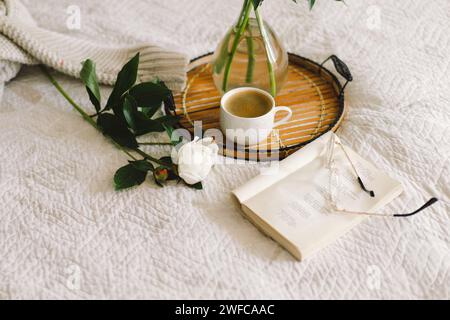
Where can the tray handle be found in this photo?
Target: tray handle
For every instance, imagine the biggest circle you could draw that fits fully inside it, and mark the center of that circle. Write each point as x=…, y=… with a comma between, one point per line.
x=342, y=69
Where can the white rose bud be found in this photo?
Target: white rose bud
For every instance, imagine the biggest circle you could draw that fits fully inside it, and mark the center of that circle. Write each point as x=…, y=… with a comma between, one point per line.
x=196, y=159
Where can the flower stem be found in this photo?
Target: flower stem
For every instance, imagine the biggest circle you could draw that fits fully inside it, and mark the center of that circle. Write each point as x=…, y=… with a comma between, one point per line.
x=155, y=144
x=245, y=16
x=79, y=109
x=68, y=98
x=265, y=36
x=152, y=159
x=126, y=152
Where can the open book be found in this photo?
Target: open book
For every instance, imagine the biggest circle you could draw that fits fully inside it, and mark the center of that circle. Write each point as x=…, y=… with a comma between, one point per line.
x=293, y=206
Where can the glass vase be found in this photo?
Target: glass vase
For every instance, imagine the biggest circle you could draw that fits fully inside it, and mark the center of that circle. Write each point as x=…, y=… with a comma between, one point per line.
x=250, y=55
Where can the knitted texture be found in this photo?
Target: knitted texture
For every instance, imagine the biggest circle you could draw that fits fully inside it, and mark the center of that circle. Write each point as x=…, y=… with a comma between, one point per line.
x=22, y=41
x=66, y=234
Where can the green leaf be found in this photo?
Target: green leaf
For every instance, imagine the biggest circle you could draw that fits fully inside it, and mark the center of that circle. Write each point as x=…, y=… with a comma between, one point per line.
x=114, y=128
x=197, y=186
x=129, y=111
x=125, y=80
x=119, y=112
x=170, y=132
x=145, y=125
x=167, y=160
x=311, y=4
x=169, y=103
x=128, y=177
x=142, y=165
x=169, y=120
x=89, y=77
x=168, y=163
x=150, y=96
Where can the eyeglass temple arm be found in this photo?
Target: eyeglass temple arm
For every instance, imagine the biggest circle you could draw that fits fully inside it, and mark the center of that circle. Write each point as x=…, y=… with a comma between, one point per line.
x=370, y=192
x=360, y=181
x=425, y=206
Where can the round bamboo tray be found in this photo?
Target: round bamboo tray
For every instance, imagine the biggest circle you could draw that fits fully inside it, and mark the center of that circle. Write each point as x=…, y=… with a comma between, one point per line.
x=312, y=91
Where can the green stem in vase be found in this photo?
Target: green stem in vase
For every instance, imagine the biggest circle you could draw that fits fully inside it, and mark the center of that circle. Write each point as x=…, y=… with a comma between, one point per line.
x=224, y=54
x=242, y=15
x=265, y=36
x=251, y=58
x=241, y=29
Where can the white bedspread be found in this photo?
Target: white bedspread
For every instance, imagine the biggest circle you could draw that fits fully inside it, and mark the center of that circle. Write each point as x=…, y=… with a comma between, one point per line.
x=65, y=233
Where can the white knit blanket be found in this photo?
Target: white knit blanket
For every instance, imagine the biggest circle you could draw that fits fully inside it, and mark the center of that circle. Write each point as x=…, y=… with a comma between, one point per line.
x=65, y=233
x=22, y=41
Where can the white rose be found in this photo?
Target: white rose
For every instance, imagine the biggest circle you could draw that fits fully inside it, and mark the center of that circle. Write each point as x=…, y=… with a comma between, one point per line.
x=196, y=159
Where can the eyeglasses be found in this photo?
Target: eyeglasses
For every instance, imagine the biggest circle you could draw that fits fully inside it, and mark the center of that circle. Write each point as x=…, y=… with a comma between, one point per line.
x=335, y=181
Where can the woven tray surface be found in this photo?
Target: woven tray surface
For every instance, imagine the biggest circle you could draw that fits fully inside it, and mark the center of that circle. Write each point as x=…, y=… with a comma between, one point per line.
x=311, y=91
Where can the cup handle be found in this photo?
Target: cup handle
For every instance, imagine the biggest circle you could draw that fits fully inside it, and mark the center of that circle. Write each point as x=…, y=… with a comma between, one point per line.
x=285, y=119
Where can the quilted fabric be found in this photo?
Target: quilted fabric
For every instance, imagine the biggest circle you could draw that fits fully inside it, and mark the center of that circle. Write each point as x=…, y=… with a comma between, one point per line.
x=66, y=234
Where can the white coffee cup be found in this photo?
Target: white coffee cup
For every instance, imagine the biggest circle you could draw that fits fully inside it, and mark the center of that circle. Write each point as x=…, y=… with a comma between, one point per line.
x=250, y=131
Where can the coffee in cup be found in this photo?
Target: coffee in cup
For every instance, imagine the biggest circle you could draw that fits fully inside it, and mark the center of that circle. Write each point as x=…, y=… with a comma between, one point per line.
x=248, y=115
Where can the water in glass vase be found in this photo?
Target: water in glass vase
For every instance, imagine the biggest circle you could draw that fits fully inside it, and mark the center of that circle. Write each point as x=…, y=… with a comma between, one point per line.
x=259, y=60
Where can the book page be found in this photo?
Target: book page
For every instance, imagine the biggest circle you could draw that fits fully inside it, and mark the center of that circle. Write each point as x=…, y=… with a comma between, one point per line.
x=286, y=167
